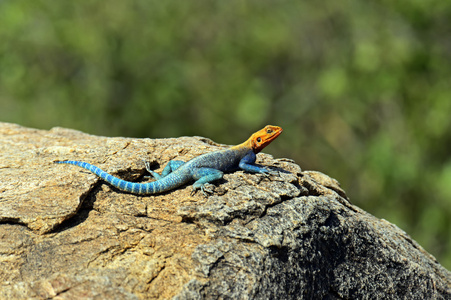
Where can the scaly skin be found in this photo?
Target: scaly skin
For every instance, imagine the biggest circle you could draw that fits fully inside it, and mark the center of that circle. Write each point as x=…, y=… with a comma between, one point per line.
x=203, y=169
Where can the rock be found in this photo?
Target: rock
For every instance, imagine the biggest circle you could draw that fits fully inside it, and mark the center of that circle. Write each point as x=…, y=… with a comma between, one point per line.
x=65, y=234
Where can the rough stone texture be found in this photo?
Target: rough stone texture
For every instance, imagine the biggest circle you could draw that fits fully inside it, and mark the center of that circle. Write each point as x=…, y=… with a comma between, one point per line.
x=67, y=235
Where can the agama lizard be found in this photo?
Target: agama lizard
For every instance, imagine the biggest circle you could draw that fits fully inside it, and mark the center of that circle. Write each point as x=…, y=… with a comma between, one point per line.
x=203, y=169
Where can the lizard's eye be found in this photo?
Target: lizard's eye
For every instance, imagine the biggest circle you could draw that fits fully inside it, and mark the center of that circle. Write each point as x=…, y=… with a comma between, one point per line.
x=259, y=140
x=268, y=130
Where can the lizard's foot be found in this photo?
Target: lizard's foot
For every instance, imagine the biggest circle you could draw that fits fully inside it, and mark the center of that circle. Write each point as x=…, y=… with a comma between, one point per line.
x=153, y=175
x=147, y=164
x=269, y=172
x=207, y=189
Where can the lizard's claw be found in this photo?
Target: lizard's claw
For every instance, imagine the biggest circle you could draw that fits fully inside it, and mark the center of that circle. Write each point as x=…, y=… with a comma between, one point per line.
x=268, y=172
x=147, y=164
x=206, y=189
x=153, y=174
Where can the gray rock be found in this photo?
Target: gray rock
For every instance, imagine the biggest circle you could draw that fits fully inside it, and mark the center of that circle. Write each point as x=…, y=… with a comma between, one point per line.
x=65, y=234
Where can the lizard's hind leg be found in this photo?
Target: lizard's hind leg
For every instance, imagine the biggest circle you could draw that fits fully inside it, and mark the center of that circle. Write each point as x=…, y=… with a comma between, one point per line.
x=204, y=176
x=170, y=167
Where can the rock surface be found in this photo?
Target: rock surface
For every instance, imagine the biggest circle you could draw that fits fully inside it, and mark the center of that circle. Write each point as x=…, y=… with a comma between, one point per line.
x=65, y=234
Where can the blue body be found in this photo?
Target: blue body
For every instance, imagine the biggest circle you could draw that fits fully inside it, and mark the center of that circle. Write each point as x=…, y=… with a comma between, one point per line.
x=202, y=169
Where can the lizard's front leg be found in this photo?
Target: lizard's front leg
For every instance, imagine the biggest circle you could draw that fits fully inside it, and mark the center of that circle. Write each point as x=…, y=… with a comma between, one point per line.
x=247, y=163
x=204, y=176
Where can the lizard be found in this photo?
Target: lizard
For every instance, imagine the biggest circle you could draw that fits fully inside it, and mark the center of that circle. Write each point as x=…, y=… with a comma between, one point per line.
x=202, y=169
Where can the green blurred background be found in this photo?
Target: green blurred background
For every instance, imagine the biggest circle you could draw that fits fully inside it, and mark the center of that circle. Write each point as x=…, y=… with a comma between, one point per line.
x=361, y=88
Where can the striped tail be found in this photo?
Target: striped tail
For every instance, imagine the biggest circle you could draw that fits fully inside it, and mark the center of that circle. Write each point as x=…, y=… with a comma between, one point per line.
x=127, y=186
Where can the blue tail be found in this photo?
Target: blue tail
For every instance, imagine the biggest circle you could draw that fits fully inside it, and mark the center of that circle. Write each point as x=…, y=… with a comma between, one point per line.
x=127, y=186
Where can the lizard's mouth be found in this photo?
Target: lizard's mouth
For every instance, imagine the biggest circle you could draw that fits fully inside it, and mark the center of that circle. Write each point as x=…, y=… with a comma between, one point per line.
x=275, y=134
x=269, y=133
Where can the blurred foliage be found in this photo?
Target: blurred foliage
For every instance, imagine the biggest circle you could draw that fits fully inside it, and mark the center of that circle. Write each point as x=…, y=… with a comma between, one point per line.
x=362, y=88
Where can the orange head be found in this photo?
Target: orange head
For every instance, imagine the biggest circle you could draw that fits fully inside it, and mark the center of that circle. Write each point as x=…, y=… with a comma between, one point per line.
x=263, y=137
